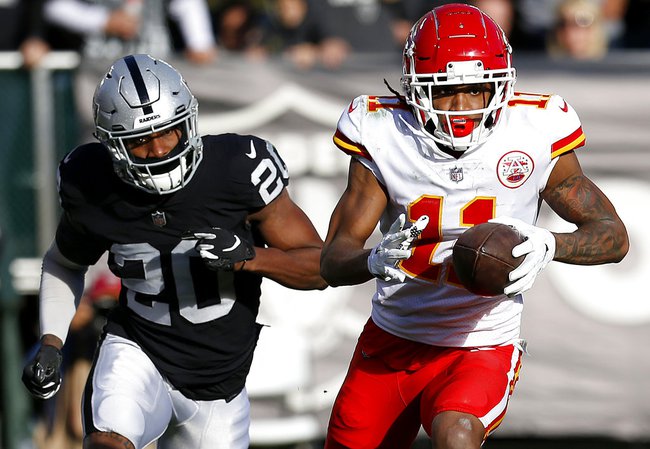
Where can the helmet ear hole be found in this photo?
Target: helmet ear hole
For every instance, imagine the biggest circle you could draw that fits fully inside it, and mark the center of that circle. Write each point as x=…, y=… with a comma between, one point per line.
x=138, y=97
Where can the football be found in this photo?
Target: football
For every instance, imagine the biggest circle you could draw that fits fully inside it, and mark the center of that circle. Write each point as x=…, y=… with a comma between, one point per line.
x=482, y=257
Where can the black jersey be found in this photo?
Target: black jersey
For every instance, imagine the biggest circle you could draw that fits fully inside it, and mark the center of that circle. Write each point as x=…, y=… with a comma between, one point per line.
x=197, y=326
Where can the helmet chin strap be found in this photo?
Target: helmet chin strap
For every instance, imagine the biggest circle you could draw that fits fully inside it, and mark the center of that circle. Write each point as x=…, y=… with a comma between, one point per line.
x=431, y=127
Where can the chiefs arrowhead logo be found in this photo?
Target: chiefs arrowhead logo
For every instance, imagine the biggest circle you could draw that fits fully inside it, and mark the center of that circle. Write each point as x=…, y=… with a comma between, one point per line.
x=565, y=107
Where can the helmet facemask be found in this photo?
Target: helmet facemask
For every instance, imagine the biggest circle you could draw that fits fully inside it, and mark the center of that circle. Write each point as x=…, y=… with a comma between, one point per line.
x=139, y=90
x=455, y=129
x=164, y=175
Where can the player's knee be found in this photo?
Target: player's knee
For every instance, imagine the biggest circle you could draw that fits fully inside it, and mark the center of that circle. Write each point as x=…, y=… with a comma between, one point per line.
x=453, y=438
x=453, y=430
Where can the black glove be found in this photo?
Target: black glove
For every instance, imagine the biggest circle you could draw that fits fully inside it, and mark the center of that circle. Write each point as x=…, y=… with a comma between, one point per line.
x=42, y=375
x=221, y=249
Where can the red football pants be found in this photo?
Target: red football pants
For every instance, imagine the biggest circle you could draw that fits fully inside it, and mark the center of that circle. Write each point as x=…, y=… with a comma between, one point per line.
x=394, y=386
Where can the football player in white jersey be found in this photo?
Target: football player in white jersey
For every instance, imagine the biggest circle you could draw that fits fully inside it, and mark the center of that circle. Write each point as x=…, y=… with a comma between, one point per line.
x=191, y=224
x=459, y=148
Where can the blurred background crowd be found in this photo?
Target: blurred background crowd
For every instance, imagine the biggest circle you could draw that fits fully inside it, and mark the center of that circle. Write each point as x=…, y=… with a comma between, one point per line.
x=307, y=33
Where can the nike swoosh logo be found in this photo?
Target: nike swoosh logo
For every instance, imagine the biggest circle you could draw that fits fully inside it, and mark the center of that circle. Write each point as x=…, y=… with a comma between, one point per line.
x=565, y=108
x=252, y=154
x=352, y=107
x=237, y=242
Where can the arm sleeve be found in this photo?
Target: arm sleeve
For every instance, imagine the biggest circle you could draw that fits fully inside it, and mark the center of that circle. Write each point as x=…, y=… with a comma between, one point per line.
x=62, y=284
x=77, y=16
x=193, y=18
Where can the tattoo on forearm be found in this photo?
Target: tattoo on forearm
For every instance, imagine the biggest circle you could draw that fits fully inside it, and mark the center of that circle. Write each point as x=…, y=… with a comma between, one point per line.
x=599, y=238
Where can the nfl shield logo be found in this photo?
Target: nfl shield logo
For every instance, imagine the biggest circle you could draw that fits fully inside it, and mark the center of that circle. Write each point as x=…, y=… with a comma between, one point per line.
x=159, y=219
x=456, y=174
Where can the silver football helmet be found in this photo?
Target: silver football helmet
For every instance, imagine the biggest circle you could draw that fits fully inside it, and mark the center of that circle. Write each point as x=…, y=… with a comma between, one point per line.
x=140, y=96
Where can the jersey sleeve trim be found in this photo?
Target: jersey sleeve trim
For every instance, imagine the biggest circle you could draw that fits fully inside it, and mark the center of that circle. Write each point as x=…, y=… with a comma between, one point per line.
x=376, y=103
x=574, y=140
x=349, y=147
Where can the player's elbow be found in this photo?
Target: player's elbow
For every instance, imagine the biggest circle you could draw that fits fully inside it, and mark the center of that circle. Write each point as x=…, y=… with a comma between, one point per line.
x=316, y=279
x=622, y=244
x=321, y=284
x=622, y=251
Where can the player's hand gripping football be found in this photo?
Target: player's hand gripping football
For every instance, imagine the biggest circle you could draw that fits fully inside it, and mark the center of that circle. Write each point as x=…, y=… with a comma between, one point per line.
x=395, y=246
x=221, y=249
x=539, y=249
x=42, y=375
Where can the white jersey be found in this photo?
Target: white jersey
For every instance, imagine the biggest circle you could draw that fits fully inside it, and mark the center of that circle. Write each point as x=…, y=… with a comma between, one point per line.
x=501, y=177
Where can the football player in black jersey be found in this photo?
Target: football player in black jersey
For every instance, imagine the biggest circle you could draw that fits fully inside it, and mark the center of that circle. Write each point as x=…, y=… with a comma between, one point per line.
x=191, y=225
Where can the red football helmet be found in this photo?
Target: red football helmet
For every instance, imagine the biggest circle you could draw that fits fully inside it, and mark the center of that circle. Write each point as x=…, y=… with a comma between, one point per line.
x=457, y=44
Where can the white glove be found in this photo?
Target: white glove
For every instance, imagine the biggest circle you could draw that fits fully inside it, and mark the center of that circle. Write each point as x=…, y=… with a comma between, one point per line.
x=395, y=246
x=539, y=248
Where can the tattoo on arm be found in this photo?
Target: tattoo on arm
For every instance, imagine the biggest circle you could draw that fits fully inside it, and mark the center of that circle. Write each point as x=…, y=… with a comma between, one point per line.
x=107, y=439
x=600, y=237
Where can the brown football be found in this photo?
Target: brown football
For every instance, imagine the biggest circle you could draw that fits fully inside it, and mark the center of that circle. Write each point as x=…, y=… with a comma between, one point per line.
x=482, y=257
